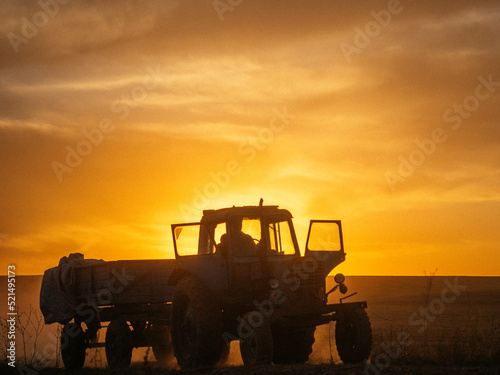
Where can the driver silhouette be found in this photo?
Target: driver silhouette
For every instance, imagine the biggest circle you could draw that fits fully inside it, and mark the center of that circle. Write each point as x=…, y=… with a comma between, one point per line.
x=242, y=243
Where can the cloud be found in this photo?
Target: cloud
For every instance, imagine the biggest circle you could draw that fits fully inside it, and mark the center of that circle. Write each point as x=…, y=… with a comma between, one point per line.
x=219, y=82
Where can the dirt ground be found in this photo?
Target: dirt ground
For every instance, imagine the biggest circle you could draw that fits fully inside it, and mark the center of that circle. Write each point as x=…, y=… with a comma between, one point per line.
x=307, y=369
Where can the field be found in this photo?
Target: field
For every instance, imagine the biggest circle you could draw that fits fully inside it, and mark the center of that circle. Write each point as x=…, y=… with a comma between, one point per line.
x=427, y=324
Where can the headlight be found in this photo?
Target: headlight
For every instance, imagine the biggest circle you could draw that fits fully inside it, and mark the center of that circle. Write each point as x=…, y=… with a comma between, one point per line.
x=274, y=284
x=339, y=278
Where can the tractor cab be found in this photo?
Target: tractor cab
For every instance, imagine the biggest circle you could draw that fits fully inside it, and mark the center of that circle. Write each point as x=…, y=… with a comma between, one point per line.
x=251, y=246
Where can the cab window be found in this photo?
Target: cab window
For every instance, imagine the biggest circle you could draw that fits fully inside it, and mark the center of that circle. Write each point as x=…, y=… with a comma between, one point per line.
x=280, y=236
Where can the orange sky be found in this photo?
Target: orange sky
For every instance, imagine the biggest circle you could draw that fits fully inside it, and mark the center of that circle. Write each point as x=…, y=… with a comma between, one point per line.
x=383, y=114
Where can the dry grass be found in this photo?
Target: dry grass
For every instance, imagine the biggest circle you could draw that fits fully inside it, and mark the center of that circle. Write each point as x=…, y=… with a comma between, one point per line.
x=468, y=342
x=29, y=328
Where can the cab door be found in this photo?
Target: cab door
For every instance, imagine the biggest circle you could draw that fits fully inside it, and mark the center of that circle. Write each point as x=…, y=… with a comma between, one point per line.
x=325, y=243
x=195, y=253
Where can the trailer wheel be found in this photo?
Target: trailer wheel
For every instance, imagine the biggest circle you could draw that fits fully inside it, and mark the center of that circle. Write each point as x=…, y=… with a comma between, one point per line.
x=162, y=345
x=353, y=336
x=292, y=345
x=197, y=325
x=73, y=346
x=256, y=345
x=118, y=344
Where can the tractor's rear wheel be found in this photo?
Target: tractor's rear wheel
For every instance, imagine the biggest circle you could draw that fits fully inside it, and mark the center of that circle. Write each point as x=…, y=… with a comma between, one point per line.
x=73, y=346
x=256, y=345
x=292, y=345
x=197, y=325
x=353, y=336
x=118, y=344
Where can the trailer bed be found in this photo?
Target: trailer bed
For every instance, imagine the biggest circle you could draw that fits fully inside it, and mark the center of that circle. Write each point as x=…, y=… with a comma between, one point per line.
x=124, y=282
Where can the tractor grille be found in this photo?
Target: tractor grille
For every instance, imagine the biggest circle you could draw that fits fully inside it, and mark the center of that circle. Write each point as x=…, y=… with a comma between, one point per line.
x=311, y=289
x=312, y=279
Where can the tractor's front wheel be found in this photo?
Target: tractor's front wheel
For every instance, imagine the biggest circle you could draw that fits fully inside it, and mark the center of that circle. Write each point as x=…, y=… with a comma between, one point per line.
x=353, y=335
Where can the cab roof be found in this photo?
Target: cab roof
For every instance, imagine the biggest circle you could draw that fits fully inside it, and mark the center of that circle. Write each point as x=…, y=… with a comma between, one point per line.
x=223, y=214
